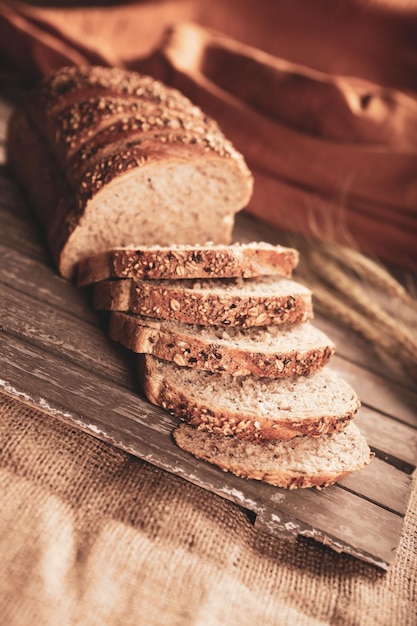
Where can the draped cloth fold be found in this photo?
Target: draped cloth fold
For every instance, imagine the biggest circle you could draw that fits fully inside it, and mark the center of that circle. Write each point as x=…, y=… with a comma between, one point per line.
x=321, y=101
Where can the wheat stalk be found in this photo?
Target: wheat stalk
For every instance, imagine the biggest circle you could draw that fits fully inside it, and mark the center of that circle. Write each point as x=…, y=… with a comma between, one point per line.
x=340, y=279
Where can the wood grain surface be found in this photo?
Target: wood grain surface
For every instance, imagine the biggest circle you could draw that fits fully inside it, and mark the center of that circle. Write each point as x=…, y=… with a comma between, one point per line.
x=55, y=355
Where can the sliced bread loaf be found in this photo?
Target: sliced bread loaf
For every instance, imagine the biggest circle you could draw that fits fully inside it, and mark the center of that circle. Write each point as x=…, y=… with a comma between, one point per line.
x=241, y=302
x=180, y=185
x=300, y=462
x=250, y=407
x=188, y=262
x=272, y=351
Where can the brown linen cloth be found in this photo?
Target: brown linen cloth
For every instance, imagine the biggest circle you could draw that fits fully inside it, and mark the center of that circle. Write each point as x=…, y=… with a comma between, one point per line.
x=320, y=97
x=92, y=536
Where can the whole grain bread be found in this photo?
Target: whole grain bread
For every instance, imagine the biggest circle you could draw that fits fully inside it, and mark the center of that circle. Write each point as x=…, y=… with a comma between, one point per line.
x=189, y=262
x=271, y=351
x=300, y=462
x=249, y=407
x=243, y=302
x=161, y=173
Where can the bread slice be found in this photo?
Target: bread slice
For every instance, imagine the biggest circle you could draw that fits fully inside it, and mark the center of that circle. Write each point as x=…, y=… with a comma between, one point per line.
x=300, y=462
x=170, y=185
x=250, y=407
x=189, y=262
x=241, y=302
x=271, y=351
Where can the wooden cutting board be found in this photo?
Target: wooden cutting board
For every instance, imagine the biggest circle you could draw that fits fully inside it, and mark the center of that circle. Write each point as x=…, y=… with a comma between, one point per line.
x=56, y=357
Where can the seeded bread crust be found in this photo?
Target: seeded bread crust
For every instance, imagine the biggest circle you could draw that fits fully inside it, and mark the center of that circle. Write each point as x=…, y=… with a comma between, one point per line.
x=73, y=83
x=73, y=127
x=73, y=105
x=188, y=262
x=125, y=133
x=215, y=302
x=68, y=101
x=163, y=387
x=165, y=133
x=194, y=346
x=281, y=463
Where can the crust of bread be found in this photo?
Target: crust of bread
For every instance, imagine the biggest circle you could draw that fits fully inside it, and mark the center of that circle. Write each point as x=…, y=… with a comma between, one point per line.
x=147, y=336
x=178, y=301
x=188, y=439
x=189, y=262
x=250, y=426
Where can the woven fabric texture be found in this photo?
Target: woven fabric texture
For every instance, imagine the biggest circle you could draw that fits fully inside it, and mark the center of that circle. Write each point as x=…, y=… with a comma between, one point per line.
x=91, y=535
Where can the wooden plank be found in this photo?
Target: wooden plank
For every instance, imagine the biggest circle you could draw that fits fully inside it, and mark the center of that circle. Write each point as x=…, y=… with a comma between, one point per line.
x=393, y=441
x=354, y=348
x=379, y=393
x=19, y=229
x=382, y=484
x=363, y=542
x=335, y=516
x=58, y=333
x=27, y=276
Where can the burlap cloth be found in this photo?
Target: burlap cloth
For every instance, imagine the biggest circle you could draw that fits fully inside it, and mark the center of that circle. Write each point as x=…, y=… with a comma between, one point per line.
x=90, y=535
